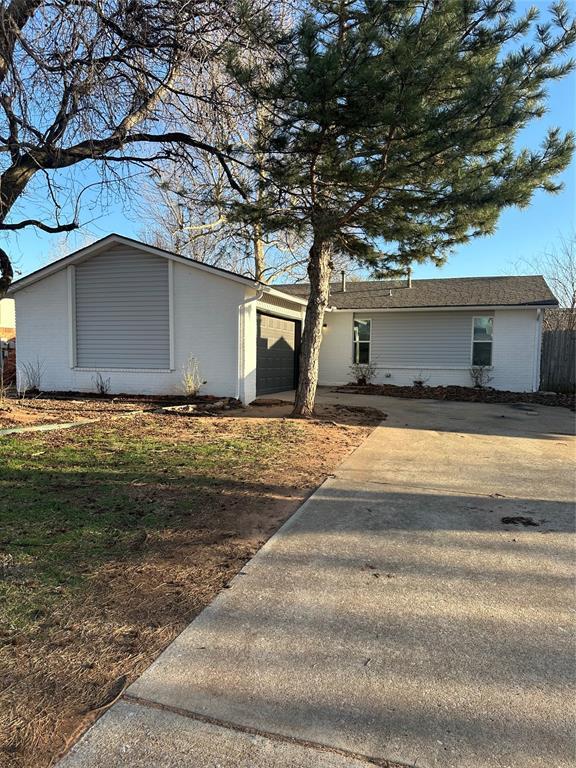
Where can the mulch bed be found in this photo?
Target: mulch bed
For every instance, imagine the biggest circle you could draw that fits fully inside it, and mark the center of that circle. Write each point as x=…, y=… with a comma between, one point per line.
x=464, y=394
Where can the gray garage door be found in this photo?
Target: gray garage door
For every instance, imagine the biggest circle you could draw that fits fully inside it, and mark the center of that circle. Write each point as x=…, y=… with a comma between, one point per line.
x=276, y=354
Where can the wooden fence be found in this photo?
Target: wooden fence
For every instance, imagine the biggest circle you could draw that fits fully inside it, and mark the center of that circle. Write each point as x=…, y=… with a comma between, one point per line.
x=558, y=363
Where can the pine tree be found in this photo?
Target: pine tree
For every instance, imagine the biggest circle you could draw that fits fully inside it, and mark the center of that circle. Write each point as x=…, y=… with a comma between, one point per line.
x=391, y=133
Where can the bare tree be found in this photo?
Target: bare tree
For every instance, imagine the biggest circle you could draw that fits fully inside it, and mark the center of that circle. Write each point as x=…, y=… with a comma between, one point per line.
x=558, y=265
x=98, y=83
x=187, y=205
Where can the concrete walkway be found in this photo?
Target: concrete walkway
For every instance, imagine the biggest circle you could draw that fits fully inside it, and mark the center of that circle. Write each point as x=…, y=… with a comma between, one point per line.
x=395, y=617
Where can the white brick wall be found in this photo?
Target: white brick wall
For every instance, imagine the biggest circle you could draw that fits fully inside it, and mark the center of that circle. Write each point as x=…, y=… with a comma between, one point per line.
x=42, y=321
x=515, y=354
x=336, y=349
x=206, y=315
x=247, y=379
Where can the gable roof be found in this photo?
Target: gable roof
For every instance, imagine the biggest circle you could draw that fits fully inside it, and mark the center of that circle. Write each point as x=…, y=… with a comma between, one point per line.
x=115, y=239
x=108, y=242
x=524, y=291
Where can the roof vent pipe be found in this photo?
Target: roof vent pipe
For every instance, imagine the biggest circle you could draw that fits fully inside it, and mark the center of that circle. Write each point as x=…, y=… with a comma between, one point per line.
x=343, y=273
x=409, y=274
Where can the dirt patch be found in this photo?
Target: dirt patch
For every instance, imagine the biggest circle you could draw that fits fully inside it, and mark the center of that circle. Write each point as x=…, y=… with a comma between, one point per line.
x=340, y=415
x=464, y=394
x=36, y=411
x=114, y=536
x=56, y=408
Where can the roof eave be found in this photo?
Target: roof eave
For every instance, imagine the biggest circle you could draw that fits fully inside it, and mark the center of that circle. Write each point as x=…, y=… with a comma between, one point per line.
x=282, y=295
x=94, y=248
x=443, y=307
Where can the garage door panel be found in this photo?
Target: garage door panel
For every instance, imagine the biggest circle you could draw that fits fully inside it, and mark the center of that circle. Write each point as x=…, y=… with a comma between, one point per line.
x=276, y=354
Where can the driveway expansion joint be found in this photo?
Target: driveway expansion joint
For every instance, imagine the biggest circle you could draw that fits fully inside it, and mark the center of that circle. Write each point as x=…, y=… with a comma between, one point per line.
x=150, y=704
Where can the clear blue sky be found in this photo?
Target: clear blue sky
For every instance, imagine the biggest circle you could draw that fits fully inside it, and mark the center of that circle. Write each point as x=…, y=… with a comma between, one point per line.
x=521, y=234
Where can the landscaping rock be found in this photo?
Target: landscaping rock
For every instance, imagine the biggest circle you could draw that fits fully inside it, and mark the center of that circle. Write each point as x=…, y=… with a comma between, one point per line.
x=203, y=406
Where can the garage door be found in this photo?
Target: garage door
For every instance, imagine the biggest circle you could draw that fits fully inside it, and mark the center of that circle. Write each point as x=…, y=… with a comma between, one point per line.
x=276, y=354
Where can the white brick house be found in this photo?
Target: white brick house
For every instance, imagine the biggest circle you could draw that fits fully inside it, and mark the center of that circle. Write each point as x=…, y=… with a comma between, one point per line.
x=136, y=314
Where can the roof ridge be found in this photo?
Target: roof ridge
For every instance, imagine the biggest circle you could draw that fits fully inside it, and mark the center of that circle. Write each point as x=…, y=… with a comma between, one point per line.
x=414, y=280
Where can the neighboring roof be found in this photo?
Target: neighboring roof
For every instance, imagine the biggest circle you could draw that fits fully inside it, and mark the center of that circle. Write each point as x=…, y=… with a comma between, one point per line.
x=524, y=291
x=107, y=242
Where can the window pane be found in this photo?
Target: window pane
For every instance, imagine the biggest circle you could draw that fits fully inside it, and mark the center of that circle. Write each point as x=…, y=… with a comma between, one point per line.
x=363, y=352
x=361, y=330
x=483, y=328
x=482, y=353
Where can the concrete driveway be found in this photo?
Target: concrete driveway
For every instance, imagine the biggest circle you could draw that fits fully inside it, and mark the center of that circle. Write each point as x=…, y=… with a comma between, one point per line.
x=415, y=610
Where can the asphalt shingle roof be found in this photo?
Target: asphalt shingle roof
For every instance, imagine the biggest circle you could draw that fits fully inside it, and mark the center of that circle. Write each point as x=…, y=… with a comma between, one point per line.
x=523, y=291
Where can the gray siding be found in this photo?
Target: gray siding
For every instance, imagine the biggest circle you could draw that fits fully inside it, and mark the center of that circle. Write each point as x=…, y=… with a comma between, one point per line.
x=122, y=311
x=421, y=339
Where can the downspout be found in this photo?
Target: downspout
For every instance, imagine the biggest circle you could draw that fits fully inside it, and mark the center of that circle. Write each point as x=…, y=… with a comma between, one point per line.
x=537, y=351
x=241, y=340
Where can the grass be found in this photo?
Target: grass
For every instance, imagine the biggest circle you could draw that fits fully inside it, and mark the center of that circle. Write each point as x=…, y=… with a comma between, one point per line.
x=67, y=508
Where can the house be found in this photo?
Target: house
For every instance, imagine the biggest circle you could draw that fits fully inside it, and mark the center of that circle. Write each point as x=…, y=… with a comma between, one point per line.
x=436, y=330
x=7, y=320
x=7, y=341
x=136, y=314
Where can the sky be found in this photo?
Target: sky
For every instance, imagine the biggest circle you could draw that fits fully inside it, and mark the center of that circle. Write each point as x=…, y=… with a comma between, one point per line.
x=522, y=234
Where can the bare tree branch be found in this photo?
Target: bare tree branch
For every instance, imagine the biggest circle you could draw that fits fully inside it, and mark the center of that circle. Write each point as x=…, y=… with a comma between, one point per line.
x=82, y=81
x=53, y=229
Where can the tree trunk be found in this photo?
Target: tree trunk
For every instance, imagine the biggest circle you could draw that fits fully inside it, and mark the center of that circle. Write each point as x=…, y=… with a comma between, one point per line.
x=6, y=273
x=319, y=271
x=259, y=255
x=12, y=184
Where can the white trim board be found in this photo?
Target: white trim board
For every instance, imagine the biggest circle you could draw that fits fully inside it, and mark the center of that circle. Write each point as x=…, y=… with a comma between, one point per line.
x=109, y=241
x=71, y=279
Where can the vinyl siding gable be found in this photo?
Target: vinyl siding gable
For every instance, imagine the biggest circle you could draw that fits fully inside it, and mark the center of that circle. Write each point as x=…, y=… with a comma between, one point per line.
x=122, y=311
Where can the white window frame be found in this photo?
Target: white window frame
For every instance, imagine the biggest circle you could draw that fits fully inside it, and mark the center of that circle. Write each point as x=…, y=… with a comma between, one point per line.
x=356, y=344
x=482, y=341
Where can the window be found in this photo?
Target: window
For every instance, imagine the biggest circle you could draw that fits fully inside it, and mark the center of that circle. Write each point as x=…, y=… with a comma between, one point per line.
x=362, y=332
x=483, y=328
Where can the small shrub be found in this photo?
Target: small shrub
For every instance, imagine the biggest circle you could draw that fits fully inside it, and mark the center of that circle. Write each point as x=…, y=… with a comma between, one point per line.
x=363, y=373
x=191, y=378
x=421, y=381
x=30, y=379
x=102, y=385
x=480, y=375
